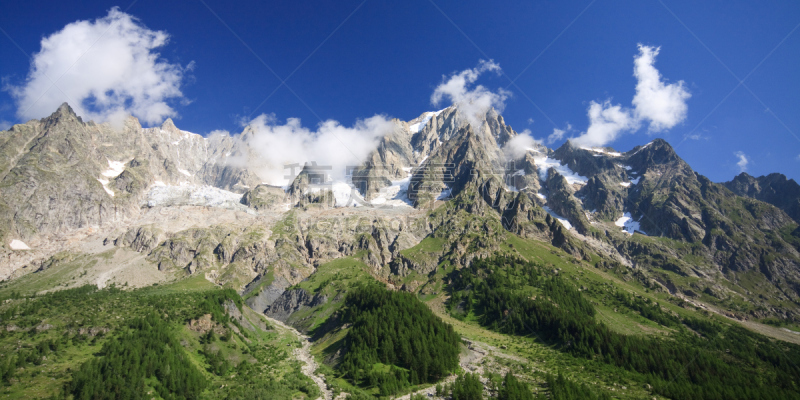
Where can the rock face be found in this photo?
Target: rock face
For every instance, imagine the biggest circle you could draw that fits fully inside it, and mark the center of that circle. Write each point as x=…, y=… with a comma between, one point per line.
x=774, y=189
x=264, y=298
x=59, y=173
x=292, y=301
x=265, y=197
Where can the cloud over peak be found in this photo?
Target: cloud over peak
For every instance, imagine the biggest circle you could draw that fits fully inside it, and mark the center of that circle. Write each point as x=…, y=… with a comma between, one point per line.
x=743, y=161
x=274, y=145
x=472, y=102
x=106, y=69
x=660, y=105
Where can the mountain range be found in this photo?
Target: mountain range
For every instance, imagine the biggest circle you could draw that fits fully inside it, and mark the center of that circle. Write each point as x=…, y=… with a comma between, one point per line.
x=87, y=203
x=726, y=243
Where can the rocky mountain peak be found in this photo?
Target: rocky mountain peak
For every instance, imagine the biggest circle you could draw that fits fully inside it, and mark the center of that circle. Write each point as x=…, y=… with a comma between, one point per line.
x=168, y=125
x=656, y=152
x=583, y=161
x=774, y=189
x=65, y=109
x=62, y=114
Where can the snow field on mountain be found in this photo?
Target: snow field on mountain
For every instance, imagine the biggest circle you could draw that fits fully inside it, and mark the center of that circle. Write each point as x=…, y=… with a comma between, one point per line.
x=544, y=163
x=161, y=195
x=627, y=224
x=18, y=245
x=114, y=169
x=558, y=217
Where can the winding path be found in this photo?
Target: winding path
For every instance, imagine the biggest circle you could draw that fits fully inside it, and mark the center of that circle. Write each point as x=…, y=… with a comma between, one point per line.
x=303, y=354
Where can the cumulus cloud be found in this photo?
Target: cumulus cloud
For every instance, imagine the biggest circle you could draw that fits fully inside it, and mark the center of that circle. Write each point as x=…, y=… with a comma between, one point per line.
x=518, y=145
x=472, y=102
x=274, y=145
x=606, y=123
x=743, y=161
x=660, y=105
x=106, y=69
x=557, y=134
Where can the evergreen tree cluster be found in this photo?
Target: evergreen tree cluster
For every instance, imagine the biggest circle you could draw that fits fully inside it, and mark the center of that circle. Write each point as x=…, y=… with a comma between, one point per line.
x=514, y=297
x=561, y=388
x=649, y=310
x=467, y=387
x=513, y=389
x=395, y=329
x=146, y=354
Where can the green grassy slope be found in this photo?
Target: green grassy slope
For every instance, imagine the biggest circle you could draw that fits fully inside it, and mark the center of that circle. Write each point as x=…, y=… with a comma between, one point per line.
x=46, y=339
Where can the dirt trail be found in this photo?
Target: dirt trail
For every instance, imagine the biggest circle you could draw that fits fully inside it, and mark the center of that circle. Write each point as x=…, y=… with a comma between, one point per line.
x=303, y=354
x=771, y=331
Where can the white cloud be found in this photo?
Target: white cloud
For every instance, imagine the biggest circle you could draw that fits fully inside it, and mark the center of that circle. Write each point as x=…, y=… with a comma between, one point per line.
x=797, y=158
x=518, y=145
x=472, y=102
x=274, y=145
x=661, y=105
x=743, y=161
x=106, y=69
x=606, y=123
x=5, y=125
x=557, y=134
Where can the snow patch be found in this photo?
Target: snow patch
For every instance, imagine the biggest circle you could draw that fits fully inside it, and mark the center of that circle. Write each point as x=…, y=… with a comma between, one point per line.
x=627, y=224
x=445, y=194
x=114, y=169
x=545, y=163
x=415, y=128
x=394, y=195
x=185, y=172
x=643, y=147
x=625, y=184
x=558, y=217
x=344, y=194
x=18, y=245
x=170, y=195
x=635, y=181
x=602, y=151
x=104, y=182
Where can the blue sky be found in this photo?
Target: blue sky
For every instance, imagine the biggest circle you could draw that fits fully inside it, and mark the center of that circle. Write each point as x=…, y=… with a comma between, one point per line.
x=350, y=60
